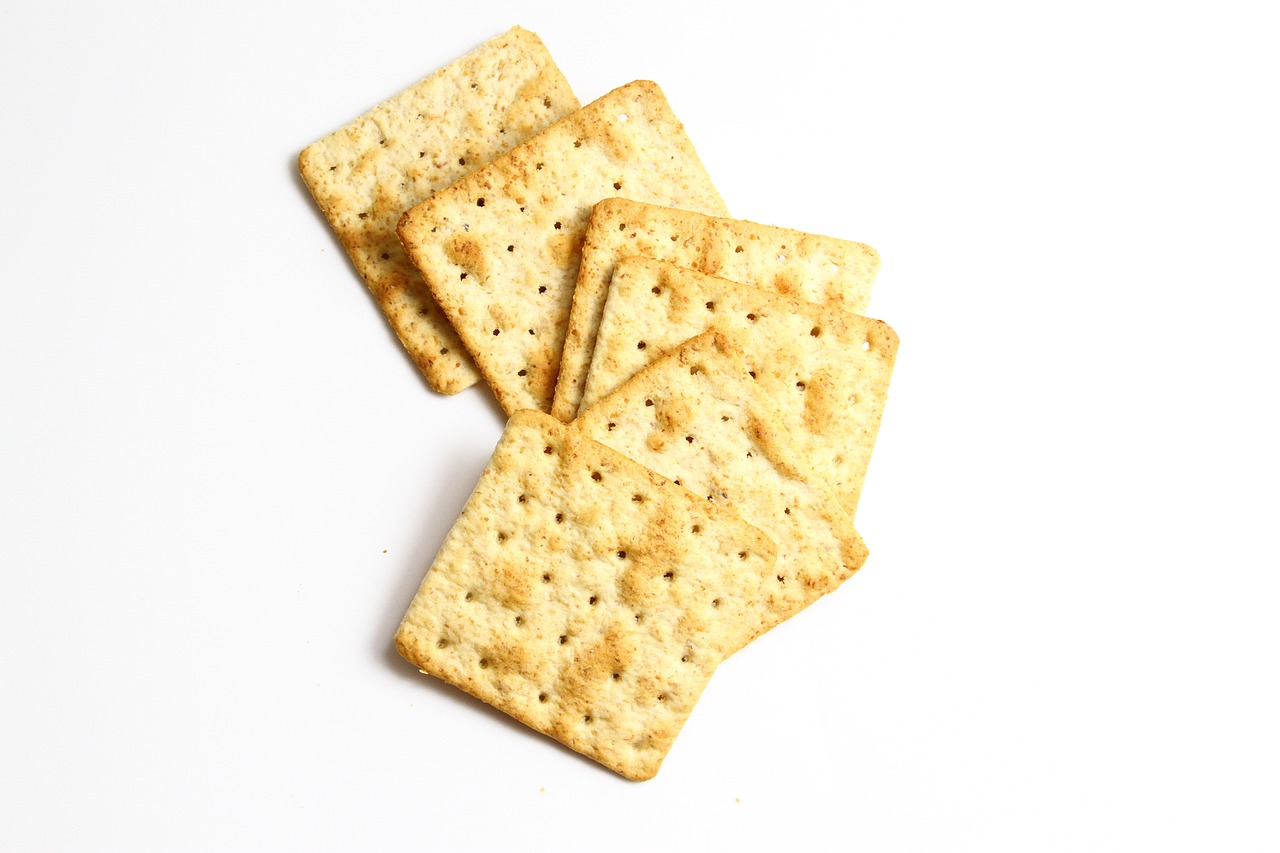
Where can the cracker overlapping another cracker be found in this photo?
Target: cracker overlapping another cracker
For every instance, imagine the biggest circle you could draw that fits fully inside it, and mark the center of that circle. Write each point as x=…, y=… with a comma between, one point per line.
x=500, y=248
x=698, y=416
x=812, y=267
x=586, y=596
x=826, y=370
x=365, y=175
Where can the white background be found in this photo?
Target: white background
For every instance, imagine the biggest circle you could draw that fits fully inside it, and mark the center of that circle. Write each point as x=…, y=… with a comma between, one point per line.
x=221, y=479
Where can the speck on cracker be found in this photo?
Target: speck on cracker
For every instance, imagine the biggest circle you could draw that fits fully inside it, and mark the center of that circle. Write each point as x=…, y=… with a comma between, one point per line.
x=697, y=416
x=500, y=248
x=586, y=596
x=807, y=266
x=365, y=175
x=826, y=370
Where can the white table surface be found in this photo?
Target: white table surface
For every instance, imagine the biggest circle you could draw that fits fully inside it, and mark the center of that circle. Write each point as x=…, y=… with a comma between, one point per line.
x=221, y=479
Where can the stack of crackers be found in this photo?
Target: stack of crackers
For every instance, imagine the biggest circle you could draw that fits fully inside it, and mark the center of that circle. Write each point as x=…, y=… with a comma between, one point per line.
x=692, y=398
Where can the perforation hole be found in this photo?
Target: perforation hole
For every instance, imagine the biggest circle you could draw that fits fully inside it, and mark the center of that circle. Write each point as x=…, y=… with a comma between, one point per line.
x=520, y=499
x=502, y=537
x=558, y=226
x=595, y=475
x=546, y=577
x=480, y=202
x=592, y=600
x=539, y=167
x=559, y=518
x=669, y=576
x=689, y=439
x=697, y=528
x=637, y=499
x=542, y=697
x=444, y=350
x=622, y=555
x=617, y=185
x=484, y=663
x=542, y=289
x=440, y=644
x=641, y=345
x=522, y=372
x=751, y=317
x=519, y=621
x=657, y=291
x=612, y=426
x=684, y=658
x=462, y=277
x=546, y=102
x=800, y=385
x=577, y=143
x=384, y=256
x=738, y=250
x=586, y=718
x=751, y=373
x=866, y=346
x=662, y=697
x=467, y=597
x=715, y=602
x=742, y=555
x=782, y=580
x=547, y=449
x=616, y=676
x=648, y=402
x=711, y=306
x=563, y=639
x=497, y=331
x=787, y=511
x=511, y=248
x=462, y=161
x=815, y=331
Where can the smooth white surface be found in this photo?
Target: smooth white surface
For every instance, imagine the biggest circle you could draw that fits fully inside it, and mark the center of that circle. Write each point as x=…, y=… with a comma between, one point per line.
x=221, y=480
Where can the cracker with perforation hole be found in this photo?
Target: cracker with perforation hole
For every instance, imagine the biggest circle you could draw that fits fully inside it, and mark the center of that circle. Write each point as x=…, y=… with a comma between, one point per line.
x=812, y=267
x=697, y=416
x=586, y=596
x=366, y=174
x=499, y=249
x=826, y=370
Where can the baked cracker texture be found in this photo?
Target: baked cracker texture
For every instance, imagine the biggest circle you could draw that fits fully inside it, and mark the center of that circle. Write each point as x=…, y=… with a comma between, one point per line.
x=826, y=370
x=807, y=266
x=697, y=416
x=500, y=248
x=366, y=174
x=586, y=596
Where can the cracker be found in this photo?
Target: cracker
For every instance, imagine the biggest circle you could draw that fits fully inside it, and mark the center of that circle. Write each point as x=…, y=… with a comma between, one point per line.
x=586, y=596
x=365, y=175
x=499, y=249
x=825, y=369
x=697, y=416
x=793, y=263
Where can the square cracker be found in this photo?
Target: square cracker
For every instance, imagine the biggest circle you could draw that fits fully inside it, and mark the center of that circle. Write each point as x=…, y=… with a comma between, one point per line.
x=366, y=174
x=697, y=416
x=586, y=596
x=499, y=249
x=826, y=370
x=793, y=263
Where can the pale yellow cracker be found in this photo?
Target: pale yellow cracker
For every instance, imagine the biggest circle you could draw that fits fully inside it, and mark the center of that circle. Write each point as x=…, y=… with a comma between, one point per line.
x=825, y=369
x=365, y=175
x=586, y=596
x=812, y=267
x=697, y=416
x=499, y=249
